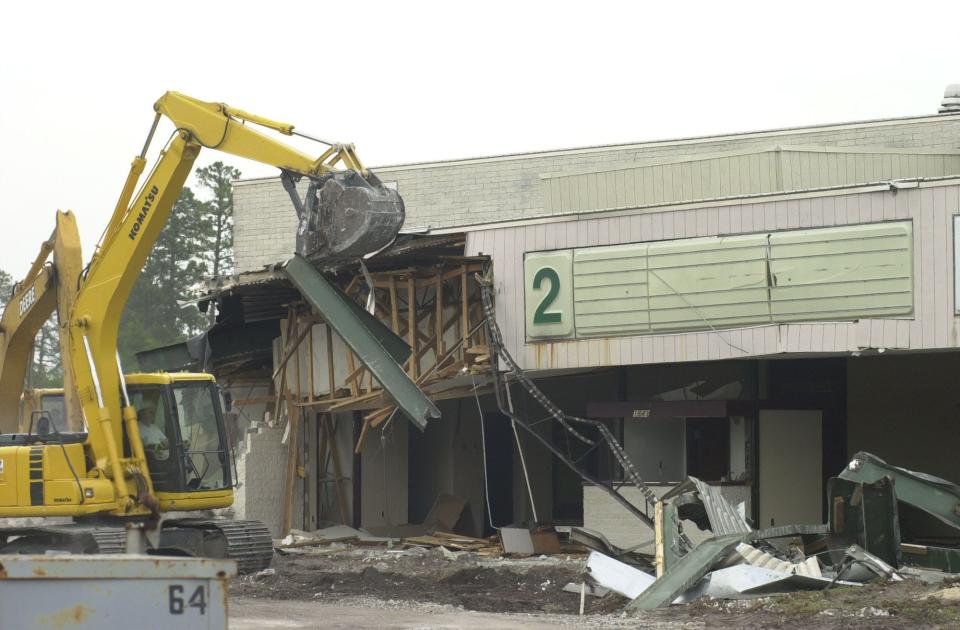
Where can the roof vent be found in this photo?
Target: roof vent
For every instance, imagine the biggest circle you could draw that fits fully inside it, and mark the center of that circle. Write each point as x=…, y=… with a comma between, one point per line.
x=951, y=99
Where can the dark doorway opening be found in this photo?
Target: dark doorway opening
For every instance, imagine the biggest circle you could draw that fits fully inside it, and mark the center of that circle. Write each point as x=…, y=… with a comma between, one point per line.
x=568, y=485
x=498, y=442
x=708, y=448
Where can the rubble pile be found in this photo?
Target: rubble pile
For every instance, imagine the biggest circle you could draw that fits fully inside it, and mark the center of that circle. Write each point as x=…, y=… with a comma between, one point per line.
x=866, y=539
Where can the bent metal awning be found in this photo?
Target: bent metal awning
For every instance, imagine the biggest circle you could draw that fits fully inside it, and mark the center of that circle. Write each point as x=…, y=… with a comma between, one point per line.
x=380, y=350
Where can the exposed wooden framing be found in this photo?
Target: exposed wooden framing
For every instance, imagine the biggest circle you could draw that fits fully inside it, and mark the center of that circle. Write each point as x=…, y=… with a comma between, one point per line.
x=326, y=420
x=256, y=400
x=363, y=436
x=394, y=307
x=331, y=375
x=280, y=387
x=354, y=283
x=659, y=555
x=436, y=353
x=464, y=309
x=428, y=345
x=351, y=365
x=412, y=324
x=438, y=318
x=456, y=272
x=293, y=447
x=355, y=374
x=291, y=349
x=310, y=364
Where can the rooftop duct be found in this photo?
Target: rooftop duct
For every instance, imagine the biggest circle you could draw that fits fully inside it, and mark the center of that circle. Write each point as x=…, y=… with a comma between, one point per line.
x=951, y=100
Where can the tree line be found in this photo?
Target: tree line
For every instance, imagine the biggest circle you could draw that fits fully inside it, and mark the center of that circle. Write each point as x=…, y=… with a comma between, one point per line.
x=195, y=244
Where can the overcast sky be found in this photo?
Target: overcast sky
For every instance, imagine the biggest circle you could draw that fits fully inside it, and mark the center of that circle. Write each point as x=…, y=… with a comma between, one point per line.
x=409, y=82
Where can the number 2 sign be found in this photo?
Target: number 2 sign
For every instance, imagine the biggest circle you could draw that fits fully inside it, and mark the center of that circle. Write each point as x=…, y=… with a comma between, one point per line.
x=548, y=294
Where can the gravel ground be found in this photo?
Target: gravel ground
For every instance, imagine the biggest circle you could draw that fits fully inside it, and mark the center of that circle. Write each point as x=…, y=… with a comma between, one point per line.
x=378, y=588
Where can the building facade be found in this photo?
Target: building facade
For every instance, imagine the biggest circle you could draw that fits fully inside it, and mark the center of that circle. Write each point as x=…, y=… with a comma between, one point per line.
x=751, y=309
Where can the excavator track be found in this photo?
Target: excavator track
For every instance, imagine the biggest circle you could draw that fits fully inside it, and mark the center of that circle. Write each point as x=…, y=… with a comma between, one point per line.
x=248, y=543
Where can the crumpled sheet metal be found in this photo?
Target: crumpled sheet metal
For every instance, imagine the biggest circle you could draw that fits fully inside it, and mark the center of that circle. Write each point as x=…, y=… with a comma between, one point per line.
x=724, y=517
x=687, y=572
x=744, y=581
x=759, y=558
x=935, y=496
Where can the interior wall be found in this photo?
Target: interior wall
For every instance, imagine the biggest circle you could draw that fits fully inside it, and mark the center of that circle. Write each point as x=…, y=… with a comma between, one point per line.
x=791, y=467
x=905, y=409
x=383, y=484
x=656, y=448
x=447, y=458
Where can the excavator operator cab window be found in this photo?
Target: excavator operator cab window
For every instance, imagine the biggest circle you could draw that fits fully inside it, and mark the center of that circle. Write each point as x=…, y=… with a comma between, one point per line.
x=200, y=422
x=154, y=419
x=180, y=427
x=55, y=406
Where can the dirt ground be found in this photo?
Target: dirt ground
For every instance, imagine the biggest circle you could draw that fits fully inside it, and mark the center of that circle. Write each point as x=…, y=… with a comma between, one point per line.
x=380, y=588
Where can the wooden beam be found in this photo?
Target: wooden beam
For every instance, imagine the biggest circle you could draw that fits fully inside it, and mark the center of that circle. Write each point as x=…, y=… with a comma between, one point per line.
x=379, y=415
x=310, y=363
x=282, y=386
x=438, y=318
x=331, y=376
x=256, y=400
x=464, y=308
x=394, y=306
x=291, y=350
x=338, y=478
x=360, y=440
x=412, y=324
x=351, y=365
x=293, y=447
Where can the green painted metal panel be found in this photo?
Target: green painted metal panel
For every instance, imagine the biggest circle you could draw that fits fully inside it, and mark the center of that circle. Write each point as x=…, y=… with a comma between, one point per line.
x=842, y=273
x=548, y=294
x=610, y=290
x=685, y=573
x=698, y=283
x=367, y=340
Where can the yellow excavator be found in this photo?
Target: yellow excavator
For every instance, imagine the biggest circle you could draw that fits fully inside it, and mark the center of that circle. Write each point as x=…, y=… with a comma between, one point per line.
x=142, y=445
x=48, y=287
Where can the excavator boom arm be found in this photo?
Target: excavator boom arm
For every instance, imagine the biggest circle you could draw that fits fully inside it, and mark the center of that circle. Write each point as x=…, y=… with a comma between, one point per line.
x=45, y=289
x=135, y=226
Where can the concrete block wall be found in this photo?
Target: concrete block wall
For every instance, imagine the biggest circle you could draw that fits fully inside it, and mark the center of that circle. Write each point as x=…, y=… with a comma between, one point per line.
x=261, y=469
x=468, y=192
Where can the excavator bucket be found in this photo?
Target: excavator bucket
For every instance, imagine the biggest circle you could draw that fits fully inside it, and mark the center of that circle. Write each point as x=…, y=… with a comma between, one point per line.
x=344, y=215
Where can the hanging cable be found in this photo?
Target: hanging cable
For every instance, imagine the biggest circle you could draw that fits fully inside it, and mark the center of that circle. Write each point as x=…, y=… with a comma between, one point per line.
x=523, y=460
x=483, y=449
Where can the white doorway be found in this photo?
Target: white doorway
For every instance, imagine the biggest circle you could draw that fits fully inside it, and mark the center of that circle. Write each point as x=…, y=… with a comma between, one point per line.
x=791, y=467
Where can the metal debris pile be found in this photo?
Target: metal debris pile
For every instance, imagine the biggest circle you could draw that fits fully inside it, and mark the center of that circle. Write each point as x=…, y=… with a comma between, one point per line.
x=885, y=523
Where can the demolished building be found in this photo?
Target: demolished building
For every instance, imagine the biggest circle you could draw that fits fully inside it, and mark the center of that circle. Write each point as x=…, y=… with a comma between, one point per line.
x=749, y=309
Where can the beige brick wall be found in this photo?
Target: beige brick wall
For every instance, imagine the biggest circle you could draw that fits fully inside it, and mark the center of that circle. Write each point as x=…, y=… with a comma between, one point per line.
x=470, y=192
x=260, y=471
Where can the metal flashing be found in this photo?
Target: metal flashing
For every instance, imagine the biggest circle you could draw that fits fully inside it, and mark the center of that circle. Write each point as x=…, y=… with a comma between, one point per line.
x=375, y=345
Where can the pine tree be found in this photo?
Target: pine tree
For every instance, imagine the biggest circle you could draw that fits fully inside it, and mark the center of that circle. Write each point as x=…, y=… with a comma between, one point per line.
x=153, y=317
x=216, y=179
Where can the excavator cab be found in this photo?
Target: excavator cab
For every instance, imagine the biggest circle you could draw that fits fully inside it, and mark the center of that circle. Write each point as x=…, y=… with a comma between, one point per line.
x=43, y=402
x=181, y=426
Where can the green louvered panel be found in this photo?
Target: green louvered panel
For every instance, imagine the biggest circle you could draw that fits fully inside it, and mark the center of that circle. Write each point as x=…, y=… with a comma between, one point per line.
x=704, y=282
x=610, y=291
x=846, y=272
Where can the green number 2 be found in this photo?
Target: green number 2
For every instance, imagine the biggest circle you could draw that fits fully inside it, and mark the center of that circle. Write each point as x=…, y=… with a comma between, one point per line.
x=540, y=316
